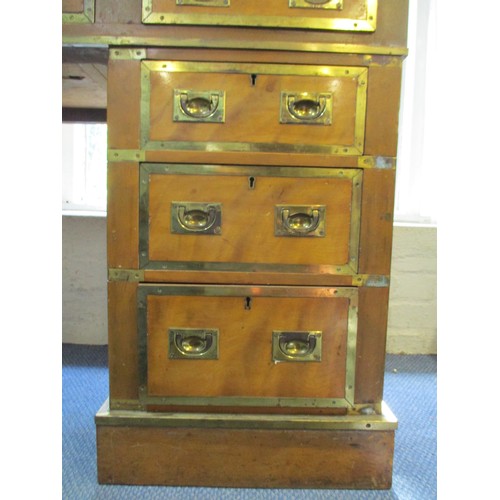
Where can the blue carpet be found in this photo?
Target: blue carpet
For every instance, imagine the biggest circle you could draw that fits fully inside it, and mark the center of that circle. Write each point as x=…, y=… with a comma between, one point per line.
x=410, y=392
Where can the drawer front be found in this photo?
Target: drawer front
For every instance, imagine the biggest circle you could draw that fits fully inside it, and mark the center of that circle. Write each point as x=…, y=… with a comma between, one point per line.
x=253, y=107
x=267, y=346
x=247, y=219
x=336, y=15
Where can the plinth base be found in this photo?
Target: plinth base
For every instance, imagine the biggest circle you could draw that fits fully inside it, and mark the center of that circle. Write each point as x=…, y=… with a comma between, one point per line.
x=253, y=451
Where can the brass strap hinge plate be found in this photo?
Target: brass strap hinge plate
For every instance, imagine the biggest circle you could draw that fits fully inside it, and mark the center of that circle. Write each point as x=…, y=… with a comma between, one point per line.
x=129, y=54
x=371, y=280
x=126, y=155
x=126, y=275
x=382, y=162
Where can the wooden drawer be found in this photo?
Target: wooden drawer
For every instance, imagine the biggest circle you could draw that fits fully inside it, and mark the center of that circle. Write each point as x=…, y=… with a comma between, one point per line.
x=336, y=15
x=249, y=219
x=240, y=107
x=247, y=346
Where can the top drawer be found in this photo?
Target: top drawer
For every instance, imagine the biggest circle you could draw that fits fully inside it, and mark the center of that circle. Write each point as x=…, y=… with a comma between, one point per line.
x=332, y=15
x=243, y=107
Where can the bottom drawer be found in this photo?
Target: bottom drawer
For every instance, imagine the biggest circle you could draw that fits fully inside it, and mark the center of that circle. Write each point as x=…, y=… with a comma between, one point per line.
x=282, y=347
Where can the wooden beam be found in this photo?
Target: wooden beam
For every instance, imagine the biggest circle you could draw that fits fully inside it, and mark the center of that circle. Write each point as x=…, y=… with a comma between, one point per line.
x=79, y=55
x=83, y=115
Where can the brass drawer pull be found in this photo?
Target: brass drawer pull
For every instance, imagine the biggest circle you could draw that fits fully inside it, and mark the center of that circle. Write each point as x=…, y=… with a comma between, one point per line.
x=194, y=106
x=306, y=108
x=199, y=106
x=199, y=218
x=190, y=343
x=317, y=4
x=297, y=346
x=300, y=220
x=206, y=3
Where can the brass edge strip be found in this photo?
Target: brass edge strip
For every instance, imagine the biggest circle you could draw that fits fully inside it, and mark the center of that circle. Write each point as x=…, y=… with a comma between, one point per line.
x=125, y=404
x=144, y=172
x=360, y=113
x=383, y=422
x=244, y=147
x=252, y=68
x=355, y=229
x=298, y=291
x=356, y=280
x=339, y=24
x=267, y=402
x=126, y=275
x=333, y=48
x=142, y=333
x=352, y=333
x=85, y=17
x=144, y=105
x=361, y=162
x=126, y=155
x=242, y=267
x=244, y=170
x=382, y=162
x=127, y=54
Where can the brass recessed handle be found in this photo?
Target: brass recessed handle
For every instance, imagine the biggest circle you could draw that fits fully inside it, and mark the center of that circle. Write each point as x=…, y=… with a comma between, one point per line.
x=306, y=108
x=199, y=106
x=193, y=343
x=300, y=220
x=197, y=218
x=297, y=346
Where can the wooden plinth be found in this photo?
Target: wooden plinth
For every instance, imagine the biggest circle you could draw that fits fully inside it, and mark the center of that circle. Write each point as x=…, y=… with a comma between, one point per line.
x=155, y=451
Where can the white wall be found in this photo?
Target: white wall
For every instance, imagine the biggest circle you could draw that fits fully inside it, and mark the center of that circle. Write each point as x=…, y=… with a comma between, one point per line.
x=84, y=277
x=412, y=299
x=412, y=311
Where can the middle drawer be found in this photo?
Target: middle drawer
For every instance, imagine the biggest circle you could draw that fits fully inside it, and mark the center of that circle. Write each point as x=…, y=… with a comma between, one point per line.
x=249, y=219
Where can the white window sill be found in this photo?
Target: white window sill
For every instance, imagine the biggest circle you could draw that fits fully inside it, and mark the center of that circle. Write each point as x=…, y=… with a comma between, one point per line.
x=84, y=213
x=415, y=224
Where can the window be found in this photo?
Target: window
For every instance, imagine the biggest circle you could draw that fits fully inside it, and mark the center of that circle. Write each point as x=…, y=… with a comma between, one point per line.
x=416, y=168
x=84, y=168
